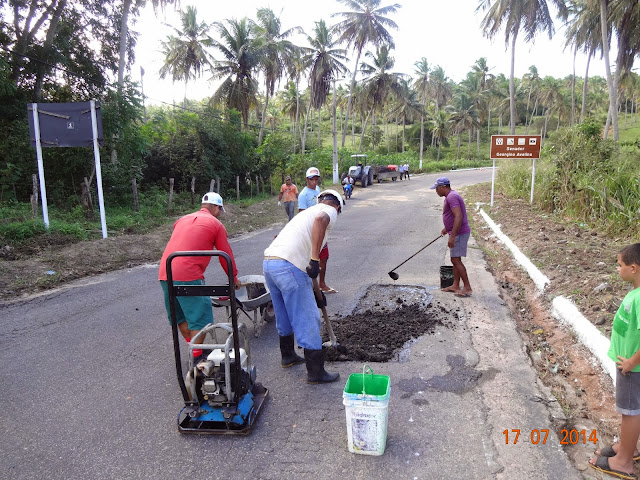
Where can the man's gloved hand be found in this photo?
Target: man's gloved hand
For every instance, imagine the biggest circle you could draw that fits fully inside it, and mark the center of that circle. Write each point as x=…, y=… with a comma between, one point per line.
x=279, y=204
x=321, y=301
x=314, y=268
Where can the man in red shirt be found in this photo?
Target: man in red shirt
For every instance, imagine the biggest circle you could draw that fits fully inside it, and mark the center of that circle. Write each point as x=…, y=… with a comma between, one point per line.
x=197, y=231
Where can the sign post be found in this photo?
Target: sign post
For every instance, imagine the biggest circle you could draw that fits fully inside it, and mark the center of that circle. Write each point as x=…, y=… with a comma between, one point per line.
x=514, y=147
x=67, y=125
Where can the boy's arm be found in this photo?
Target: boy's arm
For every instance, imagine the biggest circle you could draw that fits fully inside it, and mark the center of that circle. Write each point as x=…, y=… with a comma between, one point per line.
x=628, y=364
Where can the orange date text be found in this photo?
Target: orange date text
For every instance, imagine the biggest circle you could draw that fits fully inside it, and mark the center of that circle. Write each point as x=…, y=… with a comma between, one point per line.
x=540, y=436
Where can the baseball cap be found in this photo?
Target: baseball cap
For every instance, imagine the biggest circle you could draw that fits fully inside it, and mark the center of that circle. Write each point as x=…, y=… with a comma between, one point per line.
x=214, y=199
x=312, y=172
x=439, y=182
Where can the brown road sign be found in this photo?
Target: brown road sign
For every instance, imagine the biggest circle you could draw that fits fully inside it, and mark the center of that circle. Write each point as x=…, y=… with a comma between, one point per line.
x=515, y=146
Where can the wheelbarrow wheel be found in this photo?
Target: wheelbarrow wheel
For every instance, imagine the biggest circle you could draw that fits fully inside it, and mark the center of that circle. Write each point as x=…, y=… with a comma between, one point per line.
x=269, y=314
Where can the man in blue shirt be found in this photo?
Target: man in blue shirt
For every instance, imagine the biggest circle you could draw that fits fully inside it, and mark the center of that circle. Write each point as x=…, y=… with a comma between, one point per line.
x=308, y=198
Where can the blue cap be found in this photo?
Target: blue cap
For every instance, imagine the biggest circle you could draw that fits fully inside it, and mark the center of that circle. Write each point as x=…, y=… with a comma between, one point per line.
x=439, y=182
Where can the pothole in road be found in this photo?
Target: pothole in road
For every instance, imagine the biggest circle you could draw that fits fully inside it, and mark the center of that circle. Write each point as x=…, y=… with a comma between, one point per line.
x=385, y=322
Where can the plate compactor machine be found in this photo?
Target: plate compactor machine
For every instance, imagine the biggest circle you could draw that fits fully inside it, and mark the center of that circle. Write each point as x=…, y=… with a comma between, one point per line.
x=220, y=392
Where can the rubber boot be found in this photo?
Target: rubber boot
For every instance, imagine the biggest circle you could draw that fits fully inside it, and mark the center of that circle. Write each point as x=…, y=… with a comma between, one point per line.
x=315, y=367
x=289, y=355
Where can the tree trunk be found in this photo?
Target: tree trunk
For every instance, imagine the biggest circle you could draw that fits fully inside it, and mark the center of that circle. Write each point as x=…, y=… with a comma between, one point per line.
x=319, y=127
x=134, y=191
x=193, y=190
x=573, y=91
x=512, y=89
x=403, y=130
x=610, y=81
x=353, y=83
x=170, y=195
x=421, y=137
x=304, y=132
x=51, y=34
x=264, y=115
x=124, y=29
x=459, y=143
x=584, y=87
x=296, y=123
x=364, y=127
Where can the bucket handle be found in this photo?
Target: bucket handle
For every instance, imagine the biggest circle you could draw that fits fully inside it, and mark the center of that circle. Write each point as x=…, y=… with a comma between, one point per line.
x=366, y=369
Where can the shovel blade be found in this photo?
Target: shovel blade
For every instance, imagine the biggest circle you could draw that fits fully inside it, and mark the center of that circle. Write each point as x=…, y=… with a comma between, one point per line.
x=394, y=275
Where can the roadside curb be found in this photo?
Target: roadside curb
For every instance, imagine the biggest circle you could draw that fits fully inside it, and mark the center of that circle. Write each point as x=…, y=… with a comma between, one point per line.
x=563, y=309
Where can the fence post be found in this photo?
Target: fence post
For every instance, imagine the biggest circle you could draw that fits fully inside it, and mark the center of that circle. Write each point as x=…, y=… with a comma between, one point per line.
x=237, y=187
x=170, y=195
x=85, y=199
x=134, y=188
x=34, y=196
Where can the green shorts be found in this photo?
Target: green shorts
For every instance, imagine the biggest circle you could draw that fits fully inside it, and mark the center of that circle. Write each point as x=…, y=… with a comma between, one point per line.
x=196, y=311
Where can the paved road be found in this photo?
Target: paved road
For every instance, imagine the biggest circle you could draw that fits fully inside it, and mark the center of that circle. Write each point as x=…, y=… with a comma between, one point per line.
x=89, y=388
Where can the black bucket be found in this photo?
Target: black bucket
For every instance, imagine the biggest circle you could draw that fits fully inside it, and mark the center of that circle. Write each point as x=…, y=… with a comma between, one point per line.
x=446, y=276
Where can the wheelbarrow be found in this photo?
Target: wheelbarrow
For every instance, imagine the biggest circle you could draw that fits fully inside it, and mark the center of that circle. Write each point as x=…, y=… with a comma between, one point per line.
x=252, y=296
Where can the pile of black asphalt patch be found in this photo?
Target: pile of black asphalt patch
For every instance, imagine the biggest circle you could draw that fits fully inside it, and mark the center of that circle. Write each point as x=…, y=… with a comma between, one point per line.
x=378, y=336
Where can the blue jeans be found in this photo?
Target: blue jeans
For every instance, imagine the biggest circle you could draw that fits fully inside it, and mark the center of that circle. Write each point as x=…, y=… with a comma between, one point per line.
x=290, y=208
x=294, y=303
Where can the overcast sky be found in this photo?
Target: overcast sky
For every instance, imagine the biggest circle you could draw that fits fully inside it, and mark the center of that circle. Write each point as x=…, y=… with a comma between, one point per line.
x=445, y=32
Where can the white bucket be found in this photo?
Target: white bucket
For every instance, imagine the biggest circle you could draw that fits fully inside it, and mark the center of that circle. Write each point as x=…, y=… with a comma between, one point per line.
x=367, y=413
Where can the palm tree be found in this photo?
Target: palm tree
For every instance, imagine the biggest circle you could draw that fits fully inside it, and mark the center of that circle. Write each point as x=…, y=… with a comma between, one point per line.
x=624, y=16
x=379, y=81
x=531, y=81
x=440, y=88
x=528, y=16
x=238, y=89
x=124, y=31
x=185, y=54
x=297, y=66
x=441, y=127
x=365, y=24
x=275, y=52
x=325, y=62
x=584, y=33
x=422, y=86
x=408, y=107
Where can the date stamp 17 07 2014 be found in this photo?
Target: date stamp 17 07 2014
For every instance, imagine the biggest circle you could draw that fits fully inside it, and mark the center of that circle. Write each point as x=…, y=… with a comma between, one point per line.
x=539, y=437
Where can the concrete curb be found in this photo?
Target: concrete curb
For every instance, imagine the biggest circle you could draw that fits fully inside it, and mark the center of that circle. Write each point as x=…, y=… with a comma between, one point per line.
x=563, y=309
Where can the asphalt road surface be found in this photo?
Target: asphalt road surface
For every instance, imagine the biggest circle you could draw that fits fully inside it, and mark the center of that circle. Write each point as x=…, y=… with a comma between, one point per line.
x=89, y=386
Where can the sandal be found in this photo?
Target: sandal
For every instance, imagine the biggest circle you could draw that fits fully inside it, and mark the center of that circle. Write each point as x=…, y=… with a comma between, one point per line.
x=329, y=290
x=602, y=465
x=608, y=451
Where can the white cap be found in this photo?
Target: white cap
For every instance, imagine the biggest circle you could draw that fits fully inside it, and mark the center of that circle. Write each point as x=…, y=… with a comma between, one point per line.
x=333, y=193
x=213, y=198
x=312, y=172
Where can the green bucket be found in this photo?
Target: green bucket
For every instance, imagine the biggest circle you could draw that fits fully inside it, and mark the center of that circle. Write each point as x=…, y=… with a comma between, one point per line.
x=363, y=384
x=366, y=401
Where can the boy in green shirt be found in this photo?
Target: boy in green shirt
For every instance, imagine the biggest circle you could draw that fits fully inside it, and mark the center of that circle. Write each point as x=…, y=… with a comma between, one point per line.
x=618, y=459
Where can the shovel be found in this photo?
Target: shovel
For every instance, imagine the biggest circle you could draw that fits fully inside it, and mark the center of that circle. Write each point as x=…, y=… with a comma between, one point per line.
x=394, y=275
x=333, y=342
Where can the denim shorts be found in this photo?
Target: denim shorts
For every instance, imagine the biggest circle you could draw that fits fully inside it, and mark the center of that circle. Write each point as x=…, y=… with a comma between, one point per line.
x=196, y=311
x=628, y=393
x=460, y=246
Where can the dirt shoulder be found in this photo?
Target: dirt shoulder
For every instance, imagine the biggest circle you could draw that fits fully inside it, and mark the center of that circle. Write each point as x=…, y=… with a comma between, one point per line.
x=51, y=261
x=580, y=261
